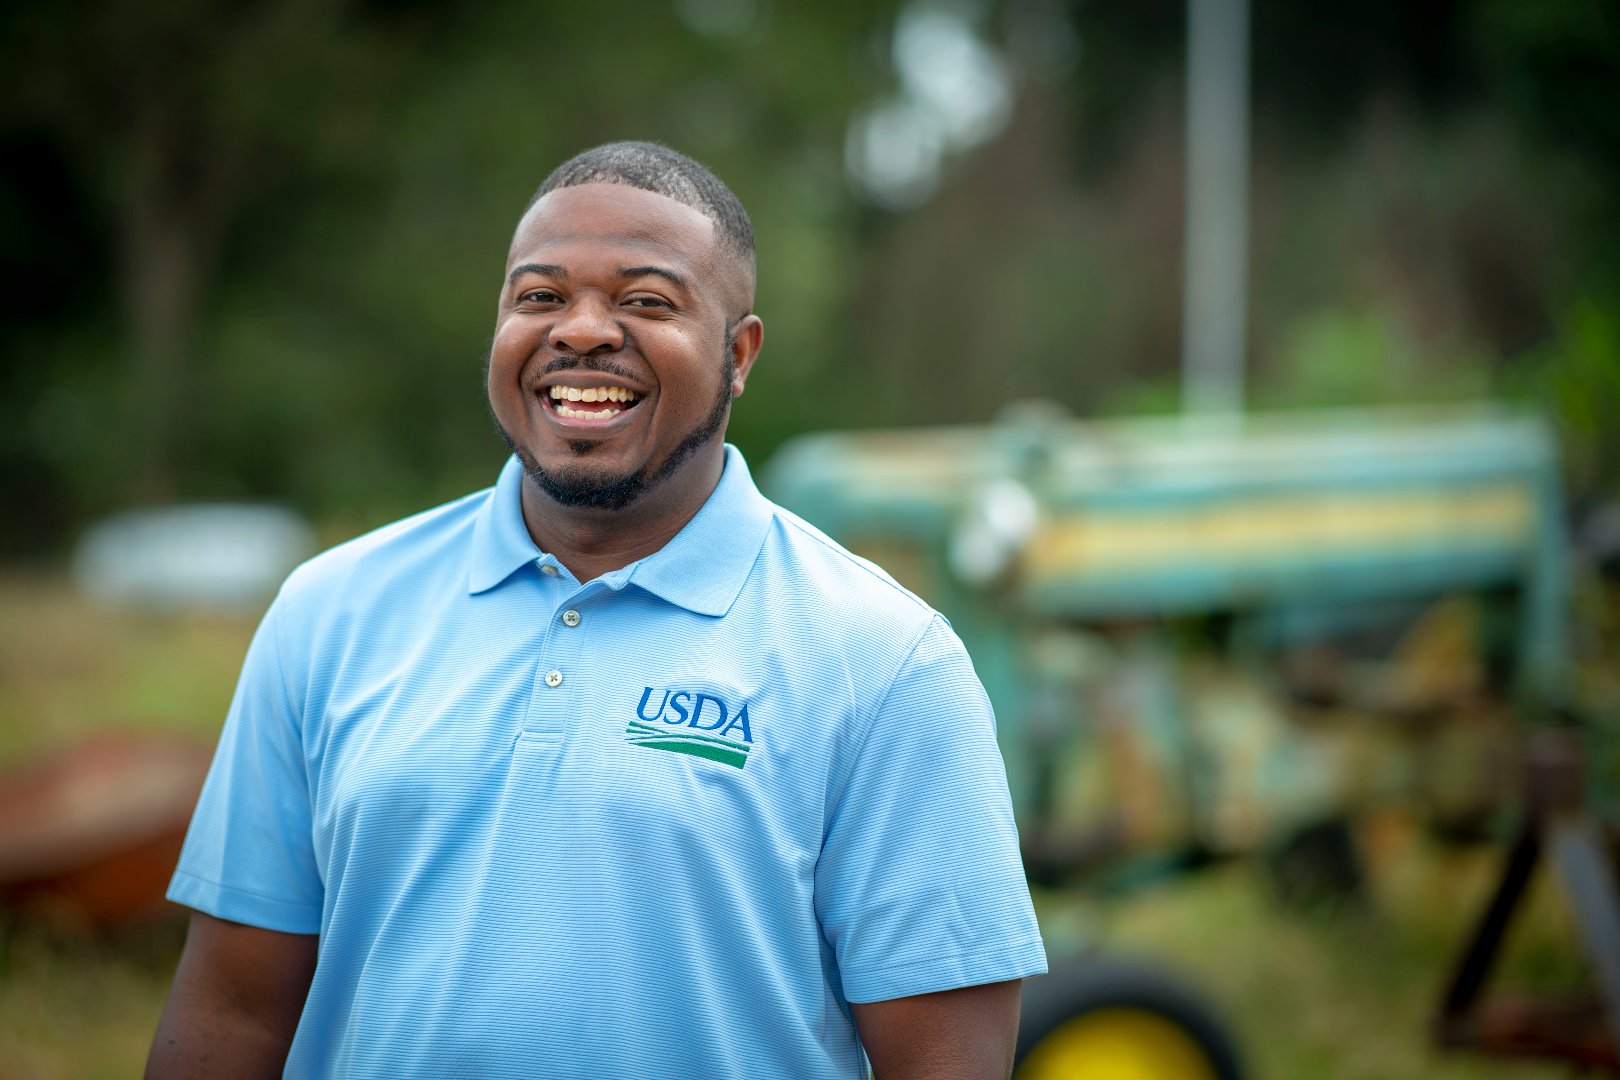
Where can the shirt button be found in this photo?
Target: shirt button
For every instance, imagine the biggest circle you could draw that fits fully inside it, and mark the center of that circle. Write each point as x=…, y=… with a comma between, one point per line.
x=548, y=569
x=570, y=617
x=553, y=678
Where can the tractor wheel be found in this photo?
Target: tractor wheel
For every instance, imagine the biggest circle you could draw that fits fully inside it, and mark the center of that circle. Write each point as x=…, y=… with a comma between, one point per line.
x=1100, y=1018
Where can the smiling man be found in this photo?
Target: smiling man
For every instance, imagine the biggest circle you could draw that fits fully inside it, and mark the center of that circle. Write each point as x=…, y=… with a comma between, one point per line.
x=614, y=769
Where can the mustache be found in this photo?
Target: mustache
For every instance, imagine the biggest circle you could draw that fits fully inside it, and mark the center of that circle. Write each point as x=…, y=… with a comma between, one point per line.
x=567, y=362
x=588, y=362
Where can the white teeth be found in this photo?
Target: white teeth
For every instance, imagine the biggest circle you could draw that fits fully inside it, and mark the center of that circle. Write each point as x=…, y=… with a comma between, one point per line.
x=587, y=414
x=593, y=393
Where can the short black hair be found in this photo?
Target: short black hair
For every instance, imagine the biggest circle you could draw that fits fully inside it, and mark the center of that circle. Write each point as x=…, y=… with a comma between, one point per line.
x=656, y=168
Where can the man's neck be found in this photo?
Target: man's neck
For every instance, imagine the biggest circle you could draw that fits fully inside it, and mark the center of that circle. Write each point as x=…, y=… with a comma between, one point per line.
x=591, y=542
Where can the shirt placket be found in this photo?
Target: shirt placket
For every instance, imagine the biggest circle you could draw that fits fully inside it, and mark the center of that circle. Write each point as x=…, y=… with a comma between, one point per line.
x=559, y=679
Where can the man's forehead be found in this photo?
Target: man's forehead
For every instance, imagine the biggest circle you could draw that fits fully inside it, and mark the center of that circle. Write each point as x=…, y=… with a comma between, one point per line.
x=615, y=214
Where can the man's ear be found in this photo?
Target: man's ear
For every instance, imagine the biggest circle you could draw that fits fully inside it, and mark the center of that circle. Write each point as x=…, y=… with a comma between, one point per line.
x=746, y=338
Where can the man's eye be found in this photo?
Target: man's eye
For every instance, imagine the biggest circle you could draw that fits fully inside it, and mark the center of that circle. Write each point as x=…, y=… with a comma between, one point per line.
x=539, y=296
x=647, y=301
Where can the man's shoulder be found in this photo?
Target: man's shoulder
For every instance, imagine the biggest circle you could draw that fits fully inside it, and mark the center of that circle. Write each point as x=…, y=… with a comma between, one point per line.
x=799, y=554
x=429, y=542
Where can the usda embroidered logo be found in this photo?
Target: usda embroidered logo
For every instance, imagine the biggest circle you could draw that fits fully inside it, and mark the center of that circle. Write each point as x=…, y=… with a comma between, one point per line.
x=684, y=722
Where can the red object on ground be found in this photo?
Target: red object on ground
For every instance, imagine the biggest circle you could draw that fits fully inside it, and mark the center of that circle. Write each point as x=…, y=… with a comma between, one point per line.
x=89, y=836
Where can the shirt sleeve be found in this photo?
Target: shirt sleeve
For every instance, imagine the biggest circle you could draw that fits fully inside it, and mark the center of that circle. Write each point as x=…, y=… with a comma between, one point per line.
x=919, y=886
x=248, y=856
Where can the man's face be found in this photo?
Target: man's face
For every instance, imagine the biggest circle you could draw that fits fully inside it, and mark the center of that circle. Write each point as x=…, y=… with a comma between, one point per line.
x=620, y=340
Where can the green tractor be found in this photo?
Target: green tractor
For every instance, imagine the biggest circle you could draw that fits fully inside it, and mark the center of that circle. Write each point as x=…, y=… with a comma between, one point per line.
x=1213, y=638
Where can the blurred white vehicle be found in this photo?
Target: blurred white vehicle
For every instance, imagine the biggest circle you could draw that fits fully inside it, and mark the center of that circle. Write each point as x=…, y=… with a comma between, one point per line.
x=224, y=556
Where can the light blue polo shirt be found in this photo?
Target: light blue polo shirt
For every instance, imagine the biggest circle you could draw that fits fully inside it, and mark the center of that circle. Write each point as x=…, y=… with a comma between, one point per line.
x=667, y=823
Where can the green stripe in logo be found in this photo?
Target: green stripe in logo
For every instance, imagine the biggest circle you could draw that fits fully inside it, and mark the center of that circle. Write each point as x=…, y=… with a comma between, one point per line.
x=687, y=742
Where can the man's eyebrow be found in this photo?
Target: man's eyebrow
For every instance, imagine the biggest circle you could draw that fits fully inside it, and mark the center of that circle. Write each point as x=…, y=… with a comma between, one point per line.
x=544, y=269
x=656, y=271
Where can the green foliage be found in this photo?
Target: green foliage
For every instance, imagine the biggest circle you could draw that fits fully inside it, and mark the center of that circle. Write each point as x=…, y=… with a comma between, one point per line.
x=1575, y=378
x=256, y=249
x=331, y=192
x=1362, y=357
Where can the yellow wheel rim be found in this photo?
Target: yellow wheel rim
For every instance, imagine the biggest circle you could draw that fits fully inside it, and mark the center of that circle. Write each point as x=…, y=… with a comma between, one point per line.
x=1117, y=1044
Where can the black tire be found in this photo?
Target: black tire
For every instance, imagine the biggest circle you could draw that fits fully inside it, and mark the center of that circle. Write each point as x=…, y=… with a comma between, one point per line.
x=1095, y=982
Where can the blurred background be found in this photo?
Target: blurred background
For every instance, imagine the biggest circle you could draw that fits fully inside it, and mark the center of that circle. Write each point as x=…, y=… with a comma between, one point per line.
x=253, y=253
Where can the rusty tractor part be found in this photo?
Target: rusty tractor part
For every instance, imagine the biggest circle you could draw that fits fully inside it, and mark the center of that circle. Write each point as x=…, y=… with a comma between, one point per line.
x=90, y=835
x=1560, y=832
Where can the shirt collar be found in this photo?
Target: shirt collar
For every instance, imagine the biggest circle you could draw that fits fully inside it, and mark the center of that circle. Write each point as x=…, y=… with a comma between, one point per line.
x=702, y=568
x=500, y=541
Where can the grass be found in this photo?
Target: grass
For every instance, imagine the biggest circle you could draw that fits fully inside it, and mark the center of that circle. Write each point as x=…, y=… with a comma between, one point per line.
x=1345, y=995
x=76, y=1009
x=69, y=669
x=71, y=1007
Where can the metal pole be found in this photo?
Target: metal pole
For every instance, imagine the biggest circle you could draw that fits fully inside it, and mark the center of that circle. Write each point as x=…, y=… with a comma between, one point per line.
x=1216, y=273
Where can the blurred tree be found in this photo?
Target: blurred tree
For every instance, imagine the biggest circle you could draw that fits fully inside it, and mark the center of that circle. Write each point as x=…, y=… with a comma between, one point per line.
x=254, y=248
x=175, y=119
x=296, y=213
x=1427, y=172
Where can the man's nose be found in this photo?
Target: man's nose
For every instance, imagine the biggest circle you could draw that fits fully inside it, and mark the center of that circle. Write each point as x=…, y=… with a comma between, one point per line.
x=587, y=325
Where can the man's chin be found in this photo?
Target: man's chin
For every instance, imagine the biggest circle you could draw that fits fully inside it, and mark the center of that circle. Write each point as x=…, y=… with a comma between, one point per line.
x=581, y=488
